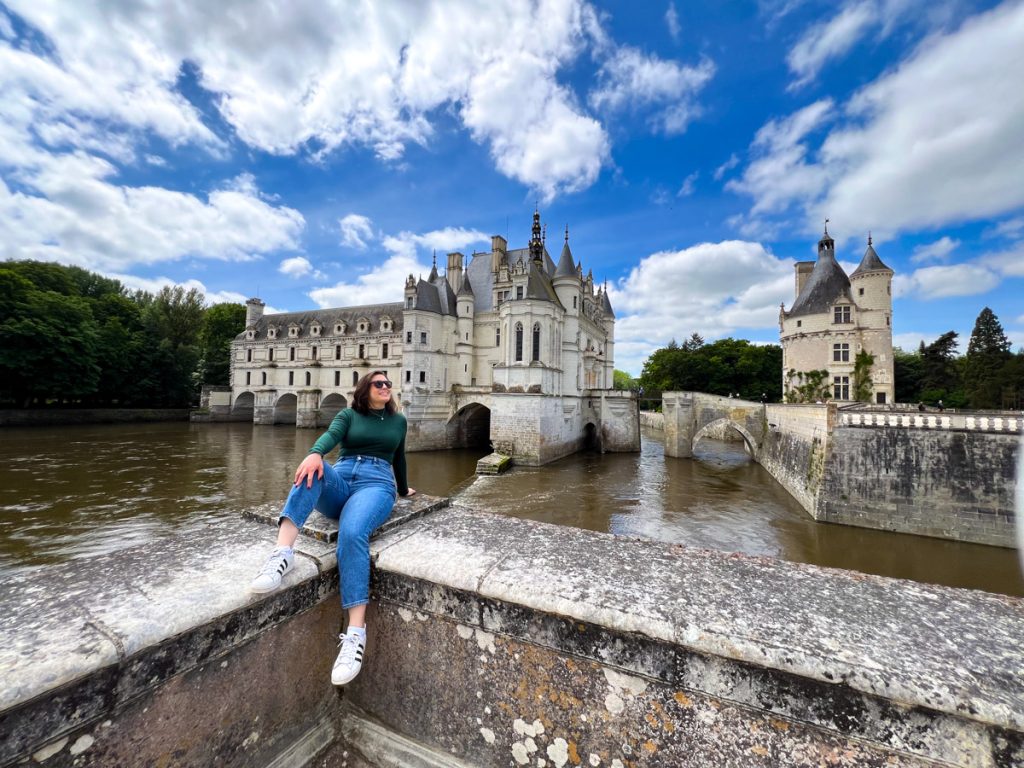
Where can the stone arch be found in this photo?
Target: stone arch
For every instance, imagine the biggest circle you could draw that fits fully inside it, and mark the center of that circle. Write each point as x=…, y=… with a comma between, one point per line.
x=752, y=445
x=243, y=406
x=591, y=437
x=285, y=409
x=330, y=406
x=470, y=427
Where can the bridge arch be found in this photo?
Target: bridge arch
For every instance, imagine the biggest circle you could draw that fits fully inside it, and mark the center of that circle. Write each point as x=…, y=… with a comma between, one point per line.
x=330, y=406
x=470, y=427
x=714, y=426
x=244, y=406
x=285, y=409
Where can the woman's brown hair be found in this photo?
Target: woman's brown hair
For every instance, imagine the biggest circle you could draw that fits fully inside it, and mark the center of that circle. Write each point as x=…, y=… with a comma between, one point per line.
x=361, y=395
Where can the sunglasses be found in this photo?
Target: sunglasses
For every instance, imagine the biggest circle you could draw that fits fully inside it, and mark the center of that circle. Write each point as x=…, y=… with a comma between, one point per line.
x=381, y=383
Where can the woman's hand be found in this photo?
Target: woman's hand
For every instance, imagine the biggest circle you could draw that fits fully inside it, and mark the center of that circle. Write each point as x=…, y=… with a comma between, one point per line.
x=311, y=466
x=412, y=492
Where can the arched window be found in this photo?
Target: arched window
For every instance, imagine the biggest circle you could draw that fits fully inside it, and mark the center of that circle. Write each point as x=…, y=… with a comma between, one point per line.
x=264, y=377
x=519, y=342
x=307, y=378
x=355, y=378
x=536, y=341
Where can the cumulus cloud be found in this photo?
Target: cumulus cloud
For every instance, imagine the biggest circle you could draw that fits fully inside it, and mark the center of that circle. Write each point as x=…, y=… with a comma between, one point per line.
x=356, y=231
x=712, y=288
x=321, y=76
x=904, y=149
x=940, y=250
x=299, y=266
x=634, y=80
x=1009, y=262
x=409, y=251
x=945, y=281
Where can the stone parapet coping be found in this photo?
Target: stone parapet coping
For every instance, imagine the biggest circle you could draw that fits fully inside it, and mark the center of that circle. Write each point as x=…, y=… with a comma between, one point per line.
x=82, y=638
x=952, y=651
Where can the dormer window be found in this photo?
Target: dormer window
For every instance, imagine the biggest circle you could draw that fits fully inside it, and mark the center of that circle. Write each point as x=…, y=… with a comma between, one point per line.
x=314, y=330
x=841, y=314
x=339, y=329
x=385, y=324
x=272, y=332
x=363, y=325
x=293, y=331
x=250, y=334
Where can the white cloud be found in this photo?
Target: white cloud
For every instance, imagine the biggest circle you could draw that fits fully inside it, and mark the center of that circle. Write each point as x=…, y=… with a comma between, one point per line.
x=323, y=76
x=689, y=185
x=940, y=250
x=1009, y=263
x=934, y=141
x=727, y=166
x=829, y=40
x=155, y=284
x=911, y=340
x=633, y=80
x=672, y=21
x=1012, y=228
x=945, y=281
x=384, y=283
x=298, y=266
x=356, y=231
x=711, y=288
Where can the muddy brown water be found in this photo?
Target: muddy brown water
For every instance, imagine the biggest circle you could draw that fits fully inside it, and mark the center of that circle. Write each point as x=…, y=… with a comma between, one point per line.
x=80, y=491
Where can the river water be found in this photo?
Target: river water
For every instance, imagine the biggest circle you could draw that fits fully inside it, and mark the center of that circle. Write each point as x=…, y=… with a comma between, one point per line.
x=86, y=490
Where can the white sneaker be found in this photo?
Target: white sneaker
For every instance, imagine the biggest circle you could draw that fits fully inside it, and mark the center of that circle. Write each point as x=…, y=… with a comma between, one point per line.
x=278, y=564
x=349, y=661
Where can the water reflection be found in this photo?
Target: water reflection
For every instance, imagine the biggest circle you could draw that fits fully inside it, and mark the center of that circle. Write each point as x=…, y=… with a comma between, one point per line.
x=86, y=490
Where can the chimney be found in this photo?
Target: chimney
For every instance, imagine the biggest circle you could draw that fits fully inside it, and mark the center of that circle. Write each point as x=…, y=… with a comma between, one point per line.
x=253, y=312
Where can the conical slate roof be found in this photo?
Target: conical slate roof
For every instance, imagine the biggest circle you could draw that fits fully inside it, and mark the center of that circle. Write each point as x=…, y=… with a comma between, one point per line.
x=606, y=305
x=870, y=262
x=566, y=266
x=826, y=283
x=466, y=289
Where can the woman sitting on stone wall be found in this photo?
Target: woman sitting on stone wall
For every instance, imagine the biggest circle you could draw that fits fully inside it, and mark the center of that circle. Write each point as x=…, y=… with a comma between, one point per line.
x=358, y=491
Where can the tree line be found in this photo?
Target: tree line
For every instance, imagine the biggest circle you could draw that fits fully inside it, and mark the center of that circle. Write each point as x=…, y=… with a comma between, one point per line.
x=988, y=376
x=70, y=336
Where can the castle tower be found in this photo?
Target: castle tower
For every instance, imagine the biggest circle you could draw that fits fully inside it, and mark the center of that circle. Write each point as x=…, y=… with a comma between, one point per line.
x=465, y=344
x=253, y=312
x=871, y=287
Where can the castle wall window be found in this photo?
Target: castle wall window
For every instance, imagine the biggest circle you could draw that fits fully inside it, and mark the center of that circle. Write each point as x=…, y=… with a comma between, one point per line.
x=291, y=353
x=840, y=353
x=423, y=337
x=291, y=378
x=799, y=323
x=248, y=355
x=408, y=337
x=337, y=351
x=408, y=376
x=423, y=377
x=519, y=291
x=264, y=381
x=313, y=353
x=497, y=336
x=519, y=342
x=337, y=378
x=408, y=302
x=384, y=351
x=270, y=354
x=841, y=387
x=248, y=378
x=860, y=291
x=355, y=378
x=307, y=378
x=536, y=342
x=841, y=314
x=574, y=302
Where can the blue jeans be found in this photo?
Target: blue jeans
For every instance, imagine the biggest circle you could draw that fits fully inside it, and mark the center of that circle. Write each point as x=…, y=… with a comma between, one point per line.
x=359, y=492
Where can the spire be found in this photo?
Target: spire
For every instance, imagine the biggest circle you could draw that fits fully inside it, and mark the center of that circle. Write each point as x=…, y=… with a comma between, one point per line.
x=870, y=262
x=606, y=305
x=466, y=289
x=536, y=243
x=566, y=265
x=826, y=246
x=433, y=270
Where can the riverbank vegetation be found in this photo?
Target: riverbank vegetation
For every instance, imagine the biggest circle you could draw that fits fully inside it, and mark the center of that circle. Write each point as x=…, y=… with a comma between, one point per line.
x=71, y=337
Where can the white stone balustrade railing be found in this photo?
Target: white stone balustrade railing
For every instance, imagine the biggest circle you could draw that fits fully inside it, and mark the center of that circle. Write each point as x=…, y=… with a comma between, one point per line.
x=931, y=421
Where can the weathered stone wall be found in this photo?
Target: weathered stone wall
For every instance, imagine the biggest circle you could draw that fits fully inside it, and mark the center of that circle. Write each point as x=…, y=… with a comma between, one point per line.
x=62, y=416
x=953, y=484
x=652, y=419
x=620, y=421
x=795, y=449
x=496, y=642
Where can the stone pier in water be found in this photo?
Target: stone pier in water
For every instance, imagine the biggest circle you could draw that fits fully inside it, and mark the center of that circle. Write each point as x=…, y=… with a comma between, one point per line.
x=497, y=641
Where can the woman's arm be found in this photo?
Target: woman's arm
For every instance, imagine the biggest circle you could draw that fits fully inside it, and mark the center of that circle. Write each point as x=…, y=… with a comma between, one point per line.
x=313, y=465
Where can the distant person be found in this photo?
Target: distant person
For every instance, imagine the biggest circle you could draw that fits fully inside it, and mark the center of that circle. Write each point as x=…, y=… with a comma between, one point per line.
x=920, y=407
x=940, y=406
x=359, y=492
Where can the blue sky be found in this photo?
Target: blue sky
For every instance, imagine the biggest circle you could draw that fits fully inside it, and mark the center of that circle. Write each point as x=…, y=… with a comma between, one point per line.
x=316, y=153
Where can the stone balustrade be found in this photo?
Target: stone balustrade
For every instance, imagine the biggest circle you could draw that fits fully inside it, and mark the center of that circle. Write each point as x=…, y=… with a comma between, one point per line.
x=963, y=421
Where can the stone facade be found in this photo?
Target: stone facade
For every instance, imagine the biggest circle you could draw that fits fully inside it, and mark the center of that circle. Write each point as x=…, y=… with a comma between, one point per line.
x=833, y=318
x=507, y=329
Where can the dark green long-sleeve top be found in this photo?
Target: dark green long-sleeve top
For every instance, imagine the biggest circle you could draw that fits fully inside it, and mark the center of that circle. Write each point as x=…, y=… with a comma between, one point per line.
x=370, y=435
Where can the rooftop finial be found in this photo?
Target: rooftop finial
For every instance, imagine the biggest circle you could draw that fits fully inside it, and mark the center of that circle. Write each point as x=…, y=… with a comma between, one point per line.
x=826, y=226
x=544, y=234
x=869, y=237
x=435, y=257
x=566, y=233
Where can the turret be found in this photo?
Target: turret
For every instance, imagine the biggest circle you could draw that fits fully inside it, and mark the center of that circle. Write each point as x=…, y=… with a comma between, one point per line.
x=565, y=280
x=871, y=282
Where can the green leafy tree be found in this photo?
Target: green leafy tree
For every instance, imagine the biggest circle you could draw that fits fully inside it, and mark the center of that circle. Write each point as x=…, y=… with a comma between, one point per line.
x=862, y=376
x=988, y=352
x=172, y=320
x=908, y=370
x=622, y=380
x=221, y=324
x=723, y=367
x=941, y=376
